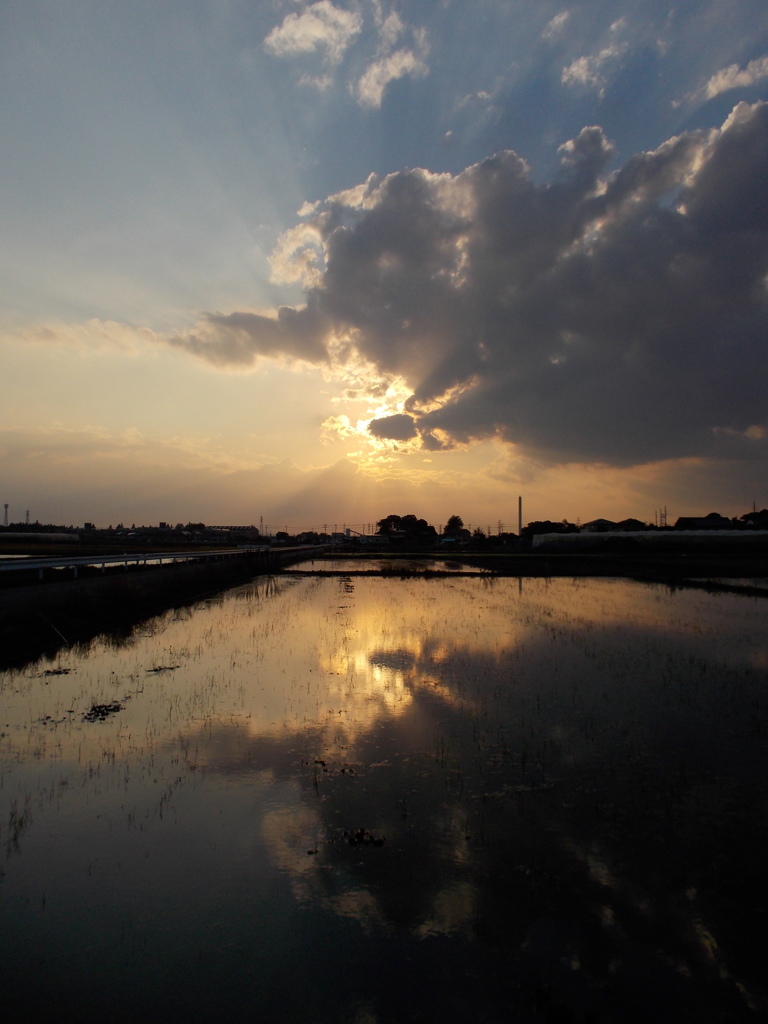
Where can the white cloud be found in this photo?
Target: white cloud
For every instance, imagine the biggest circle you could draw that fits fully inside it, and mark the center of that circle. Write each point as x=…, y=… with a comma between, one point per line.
x=320, y=28
x=319, y=82
x=378, y=75
x=476, y=98
x=555, y=27
x=297, y=255
x=329, y=31
x=588, y=71
x=390, y=30
x=390, y=64
x=336, y=428
x=734, y=77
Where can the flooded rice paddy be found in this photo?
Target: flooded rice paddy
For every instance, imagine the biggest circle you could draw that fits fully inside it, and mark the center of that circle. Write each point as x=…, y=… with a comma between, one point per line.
x=388, y=800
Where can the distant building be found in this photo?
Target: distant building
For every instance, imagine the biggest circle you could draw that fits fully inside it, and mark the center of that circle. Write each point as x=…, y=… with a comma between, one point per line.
x=714, y=521
x=756, y=520
x=630, y=525
x=598, y=526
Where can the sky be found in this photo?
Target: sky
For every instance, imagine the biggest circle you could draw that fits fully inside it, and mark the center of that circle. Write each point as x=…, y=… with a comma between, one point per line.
x=312, y=264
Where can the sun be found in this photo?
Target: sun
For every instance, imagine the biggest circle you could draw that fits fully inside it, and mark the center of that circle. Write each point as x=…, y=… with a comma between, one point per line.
x=367, y=396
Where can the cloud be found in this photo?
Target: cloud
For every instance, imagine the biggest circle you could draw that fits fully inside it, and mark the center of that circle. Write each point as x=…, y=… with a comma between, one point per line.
x=57, y=448
x=614, y=318
x=378, y=75
x=338, y=427
x=319, y=82
x=238, y=340
x=328, y=32
x=588, y=71
x=734, y=77
x=399, y=427
x=91, y=336
x=555, y=27
x=321, y=28
x=390, y=30
x=389, y=63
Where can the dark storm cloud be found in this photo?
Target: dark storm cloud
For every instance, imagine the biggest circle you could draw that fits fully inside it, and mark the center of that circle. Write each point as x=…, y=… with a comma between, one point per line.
x=617, y=319
x=398, y=427
x=239, y=339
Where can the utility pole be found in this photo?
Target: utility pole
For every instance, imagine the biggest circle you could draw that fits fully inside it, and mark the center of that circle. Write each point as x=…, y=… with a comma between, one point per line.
x=5, y=506
x=520, y=515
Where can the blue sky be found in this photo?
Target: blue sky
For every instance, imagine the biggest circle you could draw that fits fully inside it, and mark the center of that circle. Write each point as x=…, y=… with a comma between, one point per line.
x=581, y=319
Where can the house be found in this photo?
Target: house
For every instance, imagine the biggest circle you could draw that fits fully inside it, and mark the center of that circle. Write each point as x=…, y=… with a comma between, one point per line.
x=756, y=520
x=630, y=525
x=714, y=521
x=598, y=526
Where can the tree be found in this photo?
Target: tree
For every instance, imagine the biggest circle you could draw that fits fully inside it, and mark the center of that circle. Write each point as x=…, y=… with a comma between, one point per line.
x=389, y=524
x=407, y=529
x=454, y=525
x=547, y=526
x=410, y=523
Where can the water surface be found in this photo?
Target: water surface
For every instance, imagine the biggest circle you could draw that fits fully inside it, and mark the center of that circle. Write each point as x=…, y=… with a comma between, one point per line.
x=373, y=800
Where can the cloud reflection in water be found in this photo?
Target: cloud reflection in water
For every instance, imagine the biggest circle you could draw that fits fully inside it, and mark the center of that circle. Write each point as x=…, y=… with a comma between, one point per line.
x=541, y=782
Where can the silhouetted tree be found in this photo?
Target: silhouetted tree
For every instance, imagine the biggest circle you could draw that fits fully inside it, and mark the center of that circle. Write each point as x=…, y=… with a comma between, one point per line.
x=547, y=526
x=454, y=525
x=410, y=527
x=389, y=524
